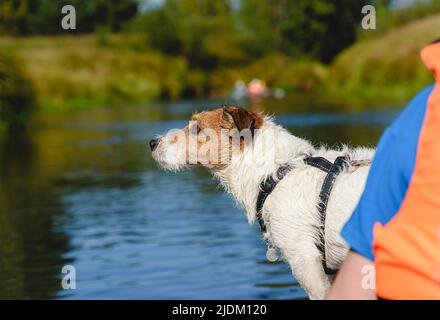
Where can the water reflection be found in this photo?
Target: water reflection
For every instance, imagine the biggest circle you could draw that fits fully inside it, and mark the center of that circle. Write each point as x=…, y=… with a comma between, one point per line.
x=31, y=252
x=82, y=189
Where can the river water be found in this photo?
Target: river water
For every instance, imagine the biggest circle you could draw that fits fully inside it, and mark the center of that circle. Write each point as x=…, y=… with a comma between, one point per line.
x=81, y=189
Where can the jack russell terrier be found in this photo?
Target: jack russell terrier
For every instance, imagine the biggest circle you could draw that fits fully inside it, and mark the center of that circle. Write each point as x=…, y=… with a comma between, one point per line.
x=301, y=196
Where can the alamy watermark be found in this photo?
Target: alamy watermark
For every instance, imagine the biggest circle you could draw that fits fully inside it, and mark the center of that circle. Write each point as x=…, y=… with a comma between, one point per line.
x=68, y=22
x=369, y=20
x=368, y=281
x=68, y=281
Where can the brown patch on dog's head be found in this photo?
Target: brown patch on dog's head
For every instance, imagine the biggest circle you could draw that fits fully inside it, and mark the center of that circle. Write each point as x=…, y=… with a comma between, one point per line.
x=238, y=118
x=232, y=118
x=228, y=117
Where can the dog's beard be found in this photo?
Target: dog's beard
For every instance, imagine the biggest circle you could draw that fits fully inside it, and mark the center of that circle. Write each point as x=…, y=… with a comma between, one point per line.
x=170, y=157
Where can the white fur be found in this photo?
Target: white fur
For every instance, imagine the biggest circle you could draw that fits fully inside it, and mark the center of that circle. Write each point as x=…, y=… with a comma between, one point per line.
x=290, y=212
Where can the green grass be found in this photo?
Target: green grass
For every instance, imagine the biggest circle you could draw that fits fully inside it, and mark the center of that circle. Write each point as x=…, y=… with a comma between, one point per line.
x=387, y=68
x=78, y=72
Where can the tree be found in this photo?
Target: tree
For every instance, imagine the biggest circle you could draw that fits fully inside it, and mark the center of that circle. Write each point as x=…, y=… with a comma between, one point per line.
x=26, y=17
x=193, y=28
x=316, y=29
x=259, y=25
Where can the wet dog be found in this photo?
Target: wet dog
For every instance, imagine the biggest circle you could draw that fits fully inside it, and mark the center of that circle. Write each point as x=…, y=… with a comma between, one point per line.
x=243, y=150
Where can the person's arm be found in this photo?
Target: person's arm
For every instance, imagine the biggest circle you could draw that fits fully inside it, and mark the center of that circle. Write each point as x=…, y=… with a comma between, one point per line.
x=355, y=280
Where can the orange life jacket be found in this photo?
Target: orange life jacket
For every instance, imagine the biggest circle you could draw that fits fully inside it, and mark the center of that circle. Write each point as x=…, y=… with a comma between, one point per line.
x=407, y=248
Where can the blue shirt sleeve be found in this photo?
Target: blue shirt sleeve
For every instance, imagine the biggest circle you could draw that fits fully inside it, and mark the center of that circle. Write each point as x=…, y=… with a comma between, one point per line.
x=389, y=176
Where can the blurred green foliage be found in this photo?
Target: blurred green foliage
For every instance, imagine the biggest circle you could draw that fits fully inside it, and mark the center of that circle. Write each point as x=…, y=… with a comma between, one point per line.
x=208, y=33
x=30, y=17
x=387, y=68
x=326, y=28
x=389, y=19
x=197, y=48
x=193, y=28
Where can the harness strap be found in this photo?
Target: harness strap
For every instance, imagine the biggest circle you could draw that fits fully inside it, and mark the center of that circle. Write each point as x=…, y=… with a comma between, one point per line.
x=332, y=170
x=319, y=162
x=266, y=188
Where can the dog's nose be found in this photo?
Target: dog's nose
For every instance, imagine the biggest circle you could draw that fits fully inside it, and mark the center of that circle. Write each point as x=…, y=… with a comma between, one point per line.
x=153, y=144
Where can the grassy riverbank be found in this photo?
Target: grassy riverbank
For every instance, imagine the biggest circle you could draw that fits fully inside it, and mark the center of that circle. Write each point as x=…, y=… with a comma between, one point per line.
x=387, y=68
x=72, y=72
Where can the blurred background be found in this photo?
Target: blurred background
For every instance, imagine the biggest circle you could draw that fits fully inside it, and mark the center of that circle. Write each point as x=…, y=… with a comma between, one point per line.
x=77, y=107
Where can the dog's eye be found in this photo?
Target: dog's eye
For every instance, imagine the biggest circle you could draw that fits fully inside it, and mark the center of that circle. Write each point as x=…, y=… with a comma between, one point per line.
x=197, y=128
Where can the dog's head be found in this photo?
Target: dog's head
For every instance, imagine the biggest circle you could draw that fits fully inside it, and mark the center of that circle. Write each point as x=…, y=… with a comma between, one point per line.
x=211, y=139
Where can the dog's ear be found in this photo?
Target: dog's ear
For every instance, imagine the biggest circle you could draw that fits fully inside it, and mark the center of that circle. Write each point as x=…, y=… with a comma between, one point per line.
x=237, y=117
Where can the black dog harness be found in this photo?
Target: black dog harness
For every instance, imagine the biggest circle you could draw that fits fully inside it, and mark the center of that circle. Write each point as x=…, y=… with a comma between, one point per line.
x=332, y=170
